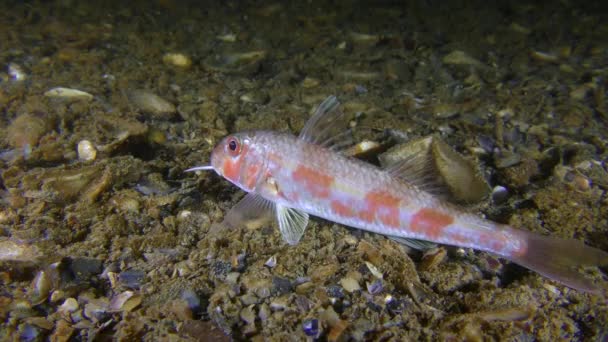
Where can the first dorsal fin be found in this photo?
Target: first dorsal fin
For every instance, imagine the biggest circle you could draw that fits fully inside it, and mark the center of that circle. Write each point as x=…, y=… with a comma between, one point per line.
x=329, y=126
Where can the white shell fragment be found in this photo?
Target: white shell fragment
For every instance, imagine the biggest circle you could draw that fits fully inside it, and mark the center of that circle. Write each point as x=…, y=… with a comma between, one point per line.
x=178, y=60
x=458, y=57
x=150, y=103
x=86, y=150
x=125, y=301
x=68, y=93
x=228, y=37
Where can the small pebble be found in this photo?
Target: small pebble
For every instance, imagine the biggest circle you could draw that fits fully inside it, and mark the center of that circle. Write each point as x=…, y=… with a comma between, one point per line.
x=86, y=150
x=178, y=60
x=311, y=327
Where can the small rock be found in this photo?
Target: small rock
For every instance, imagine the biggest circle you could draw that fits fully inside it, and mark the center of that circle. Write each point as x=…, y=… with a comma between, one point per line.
x=350, y=284
x=279, y=303
x=248, y=315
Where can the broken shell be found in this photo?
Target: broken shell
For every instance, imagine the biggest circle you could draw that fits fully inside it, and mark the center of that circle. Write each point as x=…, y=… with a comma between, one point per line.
x=374, y=287
x=432, y=258
x=544, y=57
x=41, y=288
x=125, y=301
x=150, y=103
x=178, y=60
x=86, y=150
x=96, y=309
x=68, y=94
x=69, y=305
x=374, y=270
x=236, y=63
x=460, y=175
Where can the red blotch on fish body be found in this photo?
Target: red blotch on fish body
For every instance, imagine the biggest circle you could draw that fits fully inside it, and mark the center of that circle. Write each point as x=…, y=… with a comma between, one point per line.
x=384, y=207
x=430, y=222
x=342, y=209
x=316, y=182
x=230, y=169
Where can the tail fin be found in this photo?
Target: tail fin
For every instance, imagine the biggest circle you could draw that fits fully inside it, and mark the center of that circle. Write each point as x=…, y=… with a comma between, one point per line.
x=559, y=259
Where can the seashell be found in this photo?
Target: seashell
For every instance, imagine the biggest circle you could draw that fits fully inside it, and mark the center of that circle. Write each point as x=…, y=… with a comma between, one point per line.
x=96, y=309
x=86, y=150
x=432, y=258
x=69, y=305
x=236, y=63
x=150, y=103
x=458, y=175
x=374, y=270
x=68, y=94
x=178, y=60
x=41, y=288
x=458, y=57
x=544, y=57
x=125, y=301
x=374, y=287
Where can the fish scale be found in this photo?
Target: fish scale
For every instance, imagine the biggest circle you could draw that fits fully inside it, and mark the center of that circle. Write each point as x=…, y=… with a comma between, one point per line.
x=292, y=177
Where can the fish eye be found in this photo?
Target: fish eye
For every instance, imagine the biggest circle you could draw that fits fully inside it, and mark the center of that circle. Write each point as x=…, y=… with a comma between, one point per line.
x=234, y=146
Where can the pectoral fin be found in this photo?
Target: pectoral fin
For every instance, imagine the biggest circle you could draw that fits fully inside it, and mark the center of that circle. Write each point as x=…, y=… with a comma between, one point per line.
x=292, y=223
x=253, y=209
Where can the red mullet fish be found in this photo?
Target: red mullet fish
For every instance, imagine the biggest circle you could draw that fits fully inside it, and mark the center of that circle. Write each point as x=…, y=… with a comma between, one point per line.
x=292, y=177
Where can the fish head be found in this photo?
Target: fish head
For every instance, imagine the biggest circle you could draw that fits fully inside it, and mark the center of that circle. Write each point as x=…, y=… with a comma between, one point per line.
x=239, y=159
